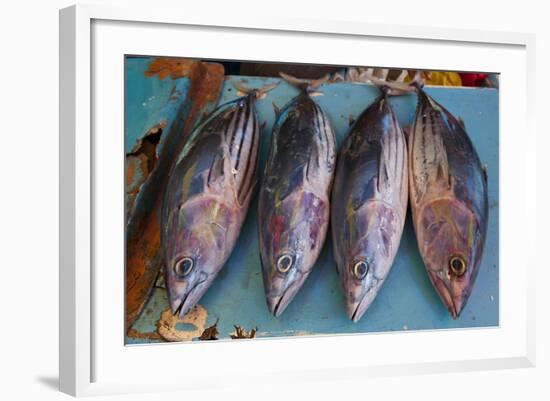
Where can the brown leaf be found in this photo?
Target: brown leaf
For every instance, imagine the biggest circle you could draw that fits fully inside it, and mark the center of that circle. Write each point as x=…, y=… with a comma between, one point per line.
x=210, y=333
x=241, y=333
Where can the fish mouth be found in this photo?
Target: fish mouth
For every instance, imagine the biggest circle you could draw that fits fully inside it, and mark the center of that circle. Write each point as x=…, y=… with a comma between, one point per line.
x=278, y=304
x=453, y=311
x=356, y=310
x=278, y=310
x=183, y=307
x=278, y=307
x=447, y=298
x=355, y=313
x=355, y=316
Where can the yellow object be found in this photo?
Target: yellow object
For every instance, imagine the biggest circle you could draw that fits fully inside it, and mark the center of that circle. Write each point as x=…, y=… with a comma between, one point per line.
x=443, y=78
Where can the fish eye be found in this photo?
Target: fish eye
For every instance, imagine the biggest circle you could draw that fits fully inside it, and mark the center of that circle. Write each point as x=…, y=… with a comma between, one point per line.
x=458, y=265
x=284, y=263
x=183, y=267
x=360, y=269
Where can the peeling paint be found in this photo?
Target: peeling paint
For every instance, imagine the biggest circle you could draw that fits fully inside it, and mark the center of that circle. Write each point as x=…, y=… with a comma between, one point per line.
x=143, y=253
x=166, y=325
x=175, y=67
x=140, y=162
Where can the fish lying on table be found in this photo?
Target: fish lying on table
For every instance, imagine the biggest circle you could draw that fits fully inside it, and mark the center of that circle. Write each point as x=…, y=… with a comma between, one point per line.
x=293, y=214
x=207, y=198
x=448, y=195
x=369, y=204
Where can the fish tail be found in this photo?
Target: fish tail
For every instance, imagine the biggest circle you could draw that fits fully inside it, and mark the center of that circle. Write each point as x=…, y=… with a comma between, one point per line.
x=309, y=86
x=385, y=89
x=391, y=88
x=258, y=93
x=417, y=84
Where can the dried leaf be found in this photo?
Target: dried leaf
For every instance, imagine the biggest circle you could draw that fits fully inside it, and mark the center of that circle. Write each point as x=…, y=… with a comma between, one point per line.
x=210, y=333
x=241, y=333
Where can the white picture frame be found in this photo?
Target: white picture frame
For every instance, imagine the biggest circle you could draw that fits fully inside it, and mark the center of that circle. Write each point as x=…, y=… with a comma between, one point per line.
x=93, y=358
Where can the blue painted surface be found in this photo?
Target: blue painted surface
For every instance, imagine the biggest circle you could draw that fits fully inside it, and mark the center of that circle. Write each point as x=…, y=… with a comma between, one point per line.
x=407, y=300
x=149, y=101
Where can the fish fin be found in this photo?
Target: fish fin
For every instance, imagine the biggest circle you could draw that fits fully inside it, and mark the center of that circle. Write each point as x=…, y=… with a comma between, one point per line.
x=390, y=88
x=306, y=85
x=485, y=170
x=462, y=124
x=241, y=89
x=216, y=169
x=314, y=157
x=260, y=93
x=276, y=110
x=443, y=173
x=383, y=174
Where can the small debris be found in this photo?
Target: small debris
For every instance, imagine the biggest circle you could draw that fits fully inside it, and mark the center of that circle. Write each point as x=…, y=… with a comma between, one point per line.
x=241, y=333
x=210, y=333
x=492, y=298
x=166, y=325
x=159, y=282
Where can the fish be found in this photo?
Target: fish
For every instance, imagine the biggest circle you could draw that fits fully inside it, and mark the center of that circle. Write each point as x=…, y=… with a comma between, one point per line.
x=197, y=93
x=369, y=204
x=294, y=196
x=448, y=197
x=207, y=199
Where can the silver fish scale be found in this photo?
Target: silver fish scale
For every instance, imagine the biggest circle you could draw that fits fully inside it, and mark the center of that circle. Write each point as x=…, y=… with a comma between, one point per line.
x=369, y=203
x=429, y=158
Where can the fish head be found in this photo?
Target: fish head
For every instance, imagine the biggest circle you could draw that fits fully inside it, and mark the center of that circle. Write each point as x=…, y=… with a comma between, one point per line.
x=290, y=246
x=374, y=233
x=451, y=243
x=195, y=252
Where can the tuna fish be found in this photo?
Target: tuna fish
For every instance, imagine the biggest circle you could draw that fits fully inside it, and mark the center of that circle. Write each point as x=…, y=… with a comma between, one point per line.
x=369, y=204
x=207, y=198
x=294, y=196
x=448, y=194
